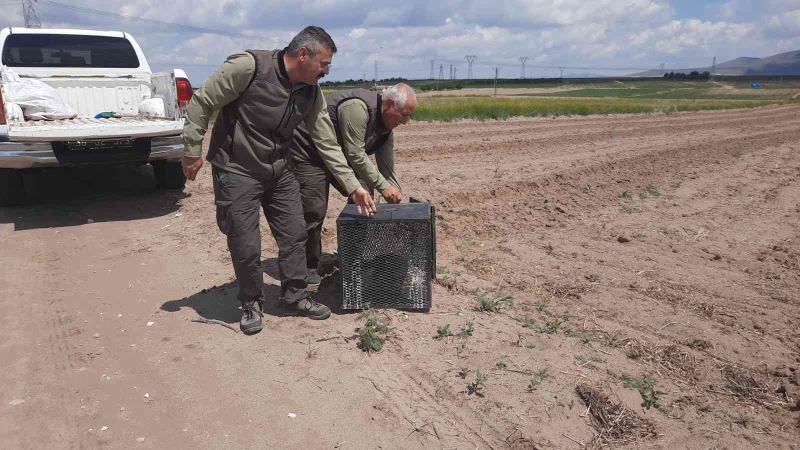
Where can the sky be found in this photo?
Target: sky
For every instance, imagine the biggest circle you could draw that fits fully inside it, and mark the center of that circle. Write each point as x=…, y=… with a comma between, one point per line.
x=402, y=37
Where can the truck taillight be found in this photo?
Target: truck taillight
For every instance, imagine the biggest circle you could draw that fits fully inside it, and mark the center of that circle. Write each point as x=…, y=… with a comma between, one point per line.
x=184, y=89
x=2, y=109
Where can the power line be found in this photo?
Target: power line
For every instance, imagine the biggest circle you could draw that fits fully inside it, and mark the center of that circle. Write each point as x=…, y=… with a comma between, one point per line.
x=470, y=59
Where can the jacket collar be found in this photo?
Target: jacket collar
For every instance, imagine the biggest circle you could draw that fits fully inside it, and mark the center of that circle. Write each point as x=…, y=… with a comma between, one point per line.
x=280, y=68
x=379, y=126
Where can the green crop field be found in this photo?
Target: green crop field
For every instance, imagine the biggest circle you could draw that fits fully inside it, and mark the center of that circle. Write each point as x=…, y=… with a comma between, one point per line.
x=694, y=92
x=454, y=108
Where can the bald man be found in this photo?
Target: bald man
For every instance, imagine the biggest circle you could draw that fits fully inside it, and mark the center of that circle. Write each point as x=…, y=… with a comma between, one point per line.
x=363, y=121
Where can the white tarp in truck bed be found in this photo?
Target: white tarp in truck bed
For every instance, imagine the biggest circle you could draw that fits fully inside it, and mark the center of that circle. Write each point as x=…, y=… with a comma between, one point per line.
x=82, y=129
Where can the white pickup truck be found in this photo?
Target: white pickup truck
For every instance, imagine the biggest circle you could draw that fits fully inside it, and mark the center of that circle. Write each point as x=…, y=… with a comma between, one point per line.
x=123, y=113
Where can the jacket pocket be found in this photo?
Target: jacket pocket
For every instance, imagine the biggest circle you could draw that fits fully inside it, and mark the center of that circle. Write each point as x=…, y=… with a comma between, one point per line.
x=222, y=199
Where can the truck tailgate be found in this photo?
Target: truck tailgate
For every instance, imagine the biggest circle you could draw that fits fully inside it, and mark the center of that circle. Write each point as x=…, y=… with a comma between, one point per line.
x=83, y=129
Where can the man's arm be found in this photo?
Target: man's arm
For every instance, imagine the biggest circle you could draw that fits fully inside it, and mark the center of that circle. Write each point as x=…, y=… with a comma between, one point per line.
x=353, y=119
x=384, y=157
x=320, y=129
x=222, y=87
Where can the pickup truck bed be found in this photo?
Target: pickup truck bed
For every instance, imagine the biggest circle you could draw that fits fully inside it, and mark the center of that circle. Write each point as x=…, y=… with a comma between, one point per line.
x=83, y=129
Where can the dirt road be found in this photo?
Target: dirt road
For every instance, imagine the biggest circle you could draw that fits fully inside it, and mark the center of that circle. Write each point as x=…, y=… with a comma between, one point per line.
x=654, y=259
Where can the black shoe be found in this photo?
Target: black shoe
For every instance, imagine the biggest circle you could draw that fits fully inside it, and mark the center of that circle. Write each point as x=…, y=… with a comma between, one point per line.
x=250, y=322
x=313, y=279
x=306, y=307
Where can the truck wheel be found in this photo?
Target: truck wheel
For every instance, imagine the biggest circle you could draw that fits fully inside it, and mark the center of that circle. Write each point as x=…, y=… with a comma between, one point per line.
x=12, y=188
x=169, y=174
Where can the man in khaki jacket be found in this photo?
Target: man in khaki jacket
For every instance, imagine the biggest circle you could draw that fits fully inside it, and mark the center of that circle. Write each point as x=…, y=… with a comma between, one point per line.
x=262, y=96
x=363, y=121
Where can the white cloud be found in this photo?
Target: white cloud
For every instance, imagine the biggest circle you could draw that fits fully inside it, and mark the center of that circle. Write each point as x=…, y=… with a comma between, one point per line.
x=784, y=25
x=404, y=35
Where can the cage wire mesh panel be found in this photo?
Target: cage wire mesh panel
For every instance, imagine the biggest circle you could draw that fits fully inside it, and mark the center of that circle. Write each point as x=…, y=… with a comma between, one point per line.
x=388, y=260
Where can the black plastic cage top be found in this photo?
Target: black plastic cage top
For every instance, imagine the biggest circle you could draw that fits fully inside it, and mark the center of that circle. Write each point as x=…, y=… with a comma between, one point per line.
x=387, y=260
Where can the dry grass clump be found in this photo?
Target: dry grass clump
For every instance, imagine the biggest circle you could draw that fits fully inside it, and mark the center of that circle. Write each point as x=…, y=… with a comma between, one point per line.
x=743, y=383
x=614, y=423
x=669, y=358
x=746, y=385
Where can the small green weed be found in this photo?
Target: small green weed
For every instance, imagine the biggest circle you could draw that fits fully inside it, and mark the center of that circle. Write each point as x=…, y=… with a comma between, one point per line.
x=491, y=304
x=477, y=386
x=551, y=327
x=538, y=378
x=500, y=365
x=650, y=191
x=626, y=194
x=742, y=419
x=373, y=334
x=588, y=362
x=443, y=332
x=647, y=389
x=613, y=341
x=526, y=322
x=466, y=330
x=698, y=344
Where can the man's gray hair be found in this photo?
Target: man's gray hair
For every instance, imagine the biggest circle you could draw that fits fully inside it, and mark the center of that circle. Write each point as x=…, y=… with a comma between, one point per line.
x=399, y=94
x=312, y=38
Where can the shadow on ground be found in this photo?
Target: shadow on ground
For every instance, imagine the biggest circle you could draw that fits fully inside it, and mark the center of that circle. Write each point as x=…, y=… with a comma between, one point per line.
x=63, y=197
x=220, y=302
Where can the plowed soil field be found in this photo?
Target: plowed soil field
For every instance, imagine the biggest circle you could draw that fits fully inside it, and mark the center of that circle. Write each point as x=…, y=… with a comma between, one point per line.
x=644, y=269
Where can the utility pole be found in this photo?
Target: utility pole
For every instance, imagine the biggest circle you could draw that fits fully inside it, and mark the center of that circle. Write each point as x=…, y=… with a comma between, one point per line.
x=713, y=69
x=31, y=14
x=522, y=59
x=470, y=59
x=441, y=74
x=431, y=69
x=495, y=81
x=560, y=76
x=375, y=79
x=662, y=69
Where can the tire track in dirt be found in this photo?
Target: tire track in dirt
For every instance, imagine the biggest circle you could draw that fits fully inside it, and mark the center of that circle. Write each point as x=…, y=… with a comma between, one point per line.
x=425, y=405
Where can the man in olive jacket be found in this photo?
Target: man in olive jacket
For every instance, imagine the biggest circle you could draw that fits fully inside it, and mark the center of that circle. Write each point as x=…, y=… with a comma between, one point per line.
x=363, y=121
x=262, y=96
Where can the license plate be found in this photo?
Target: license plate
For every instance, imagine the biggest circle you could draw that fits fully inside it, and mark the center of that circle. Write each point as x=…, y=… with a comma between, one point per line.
x=99, y=145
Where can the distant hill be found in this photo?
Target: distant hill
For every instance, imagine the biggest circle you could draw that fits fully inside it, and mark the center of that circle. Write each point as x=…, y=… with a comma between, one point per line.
x=781, y=64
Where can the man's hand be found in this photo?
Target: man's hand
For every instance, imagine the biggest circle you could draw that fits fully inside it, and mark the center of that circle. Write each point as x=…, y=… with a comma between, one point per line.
x=364, y=201
x=392, y=194
x=191, y=165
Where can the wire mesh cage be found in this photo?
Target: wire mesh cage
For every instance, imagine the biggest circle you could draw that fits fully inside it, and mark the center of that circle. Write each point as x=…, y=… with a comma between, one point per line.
x=387, y=260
